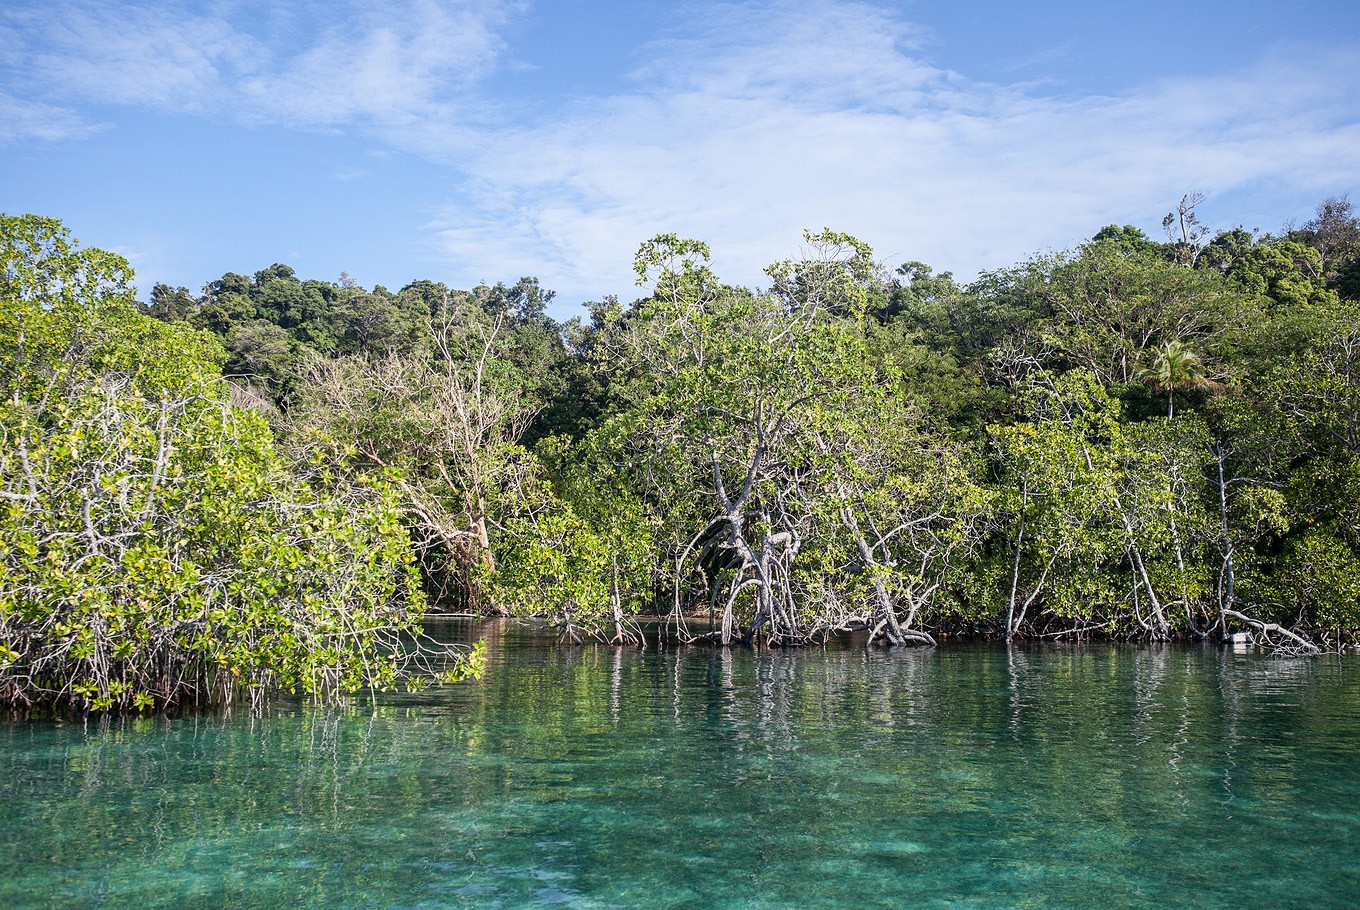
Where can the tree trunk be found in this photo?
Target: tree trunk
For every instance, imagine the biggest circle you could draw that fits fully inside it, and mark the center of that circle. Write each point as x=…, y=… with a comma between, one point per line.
x=1011, y=621
x=1226, y=592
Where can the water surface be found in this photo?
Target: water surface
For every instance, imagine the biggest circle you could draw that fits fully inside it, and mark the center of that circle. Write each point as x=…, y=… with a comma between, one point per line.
x=959, y=777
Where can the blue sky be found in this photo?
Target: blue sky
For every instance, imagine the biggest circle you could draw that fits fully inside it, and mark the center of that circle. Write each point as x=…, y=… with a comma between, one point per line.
x=483, y=140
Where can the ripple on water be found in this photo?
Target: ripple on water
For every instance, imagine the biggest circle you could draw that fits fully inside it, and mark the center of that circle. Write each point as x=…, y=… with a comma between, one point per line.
x=962, y=777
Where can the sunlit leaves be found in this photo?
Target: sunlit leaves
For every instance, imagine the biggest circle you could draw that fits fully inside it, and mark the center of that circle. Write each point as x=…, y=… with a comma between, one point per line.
x=157, y=549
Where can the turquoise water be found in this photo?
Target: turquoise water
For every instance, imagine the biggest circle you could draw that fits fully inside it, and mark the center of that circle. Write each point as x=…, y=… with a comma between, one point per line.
x=957, y=777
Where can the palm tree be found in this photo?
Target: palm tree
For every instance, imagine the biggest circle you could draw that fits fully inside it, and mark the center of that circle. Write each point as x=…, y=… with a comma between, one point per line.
x=1174, y=367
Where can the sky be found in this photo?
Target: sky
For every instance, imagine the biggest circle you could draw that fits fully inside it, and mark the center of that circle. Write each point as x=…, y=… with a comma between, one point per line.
x=471, y=141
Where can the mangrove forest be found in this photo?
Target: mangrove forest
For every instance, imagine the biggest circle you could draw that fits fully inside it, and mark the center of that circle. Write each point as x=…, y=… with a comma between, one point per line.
x=263, y=486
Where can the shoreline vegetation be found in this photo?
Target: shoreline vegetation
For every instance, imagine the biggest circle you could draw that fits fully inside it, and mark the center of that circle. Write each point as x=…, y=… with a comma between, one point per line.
x=265, y=485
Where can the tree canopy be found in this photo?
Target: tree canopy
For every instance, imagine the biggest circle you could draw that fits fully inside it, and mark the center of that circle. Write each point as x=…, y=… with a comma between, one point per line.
x=157, y=550
x=1134, y=438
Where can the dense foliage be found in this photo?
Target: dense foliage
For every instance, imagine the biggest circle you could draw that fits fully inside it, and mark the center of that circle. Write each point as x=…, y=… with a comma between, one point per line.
x=156, y=549
x=1133, y=438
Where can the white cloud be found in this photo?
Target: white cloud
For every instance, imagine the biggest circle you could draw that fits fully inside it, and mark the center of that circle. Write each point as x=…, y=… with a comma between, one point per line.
x=305, y=65
x=393, y=64
x=803, y=116
x=750, y=123
x=129, y=55
x=22, y=120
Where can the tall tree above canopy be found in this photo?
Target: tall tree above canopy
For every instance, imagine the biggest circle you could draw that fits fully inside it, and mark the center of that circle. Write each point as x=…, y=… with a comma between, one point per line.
x=1334, y=231
x=1184, y=232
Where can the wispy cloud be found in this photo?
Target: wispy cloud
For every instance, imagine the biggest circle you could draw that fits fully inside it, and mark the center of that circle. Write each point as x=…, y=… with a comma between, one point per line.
x=307, y=65
x=750, y=122
x=22, y=120
x=145, y=56
x=797, y=116
x=389, y=63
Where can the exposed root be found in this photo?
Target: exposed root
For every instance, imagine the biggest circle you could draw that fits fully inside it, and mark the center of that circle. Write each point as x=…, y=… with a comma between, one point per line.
x=1277, y=637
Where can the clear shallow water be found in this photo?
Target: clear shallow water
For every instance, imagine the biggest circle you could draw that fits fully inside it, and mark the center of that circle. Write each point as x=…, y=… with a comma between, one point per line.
x=959, y=777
